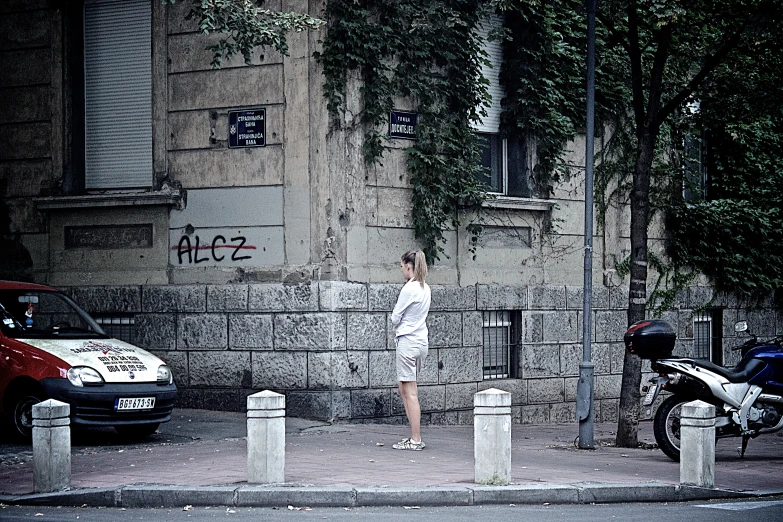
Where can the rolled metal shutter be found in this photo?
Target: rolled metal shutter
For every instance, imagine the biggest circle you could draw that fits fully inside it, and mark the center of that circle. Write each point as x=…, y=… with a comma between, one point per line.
x=118, y=93
x=494, y=49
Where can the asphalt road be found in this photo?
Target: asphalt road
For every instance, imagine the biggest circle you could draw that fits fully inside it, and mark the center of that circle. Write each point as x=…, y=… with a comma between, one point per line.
x=762, y=510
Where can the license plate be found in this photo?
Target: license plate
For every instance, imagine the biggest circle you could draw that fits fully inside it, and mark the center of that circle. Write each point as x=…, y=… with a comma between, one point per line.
x=138, y=403
x=650, y=395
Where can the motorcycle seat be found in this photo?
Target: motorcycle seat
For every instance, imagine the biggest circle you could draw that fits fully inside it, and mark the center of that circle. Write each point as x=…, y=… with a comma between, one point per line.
x=743, y=372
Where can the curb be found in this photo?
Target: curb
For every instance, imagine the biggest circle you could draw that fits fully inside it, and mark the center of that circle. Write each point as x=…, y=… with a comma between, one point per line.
x=157, y=496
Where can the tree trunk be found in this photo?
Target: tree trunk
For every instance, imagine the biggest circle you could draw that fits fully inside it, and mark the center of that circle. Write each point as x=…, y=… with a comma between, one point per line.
x=628, y=420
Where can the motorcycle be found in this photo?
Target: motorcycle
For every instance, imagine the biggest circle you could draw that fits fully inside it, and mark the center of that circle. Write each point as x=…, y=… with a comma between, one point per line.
x=748, y=398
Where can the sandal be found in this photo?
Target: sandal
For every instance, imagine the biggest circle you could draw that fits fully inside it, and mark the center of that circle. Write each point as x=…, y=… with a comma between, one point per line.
x=408, y=444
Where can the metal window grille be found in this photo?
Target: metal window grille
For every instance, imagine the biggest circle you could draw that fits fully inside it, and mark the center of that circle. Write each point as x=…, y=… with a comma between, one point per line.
x=118, y=326
x=497, y=335
x=707, y=340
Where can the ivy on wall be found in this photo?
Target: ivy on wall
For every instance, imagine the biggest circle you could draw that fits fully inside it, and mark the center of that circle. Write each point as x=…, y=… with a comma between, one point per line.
x=426, y=52
x=246, y=26
x=544, y=75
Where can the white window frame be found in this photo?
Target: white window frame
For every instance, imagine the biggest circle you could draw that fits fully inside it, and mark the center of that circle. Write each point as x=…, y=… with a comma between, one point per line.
x=700, y=179
x=503, y=164
x=693, y=108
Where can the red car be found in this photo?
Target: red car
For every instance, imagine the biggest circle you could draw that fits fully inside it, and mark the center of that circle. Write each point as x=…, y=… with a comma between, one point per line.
x=51, y=348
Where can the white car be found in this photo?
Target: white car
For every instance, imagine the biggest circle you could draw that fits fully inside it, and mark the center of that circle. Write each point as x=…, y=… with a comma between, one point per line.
x=51, y=348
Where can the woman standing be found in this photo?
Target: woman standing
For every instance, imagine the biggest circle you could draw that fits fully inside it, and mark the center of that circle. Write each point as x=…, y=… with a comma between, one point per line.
x=410, y=316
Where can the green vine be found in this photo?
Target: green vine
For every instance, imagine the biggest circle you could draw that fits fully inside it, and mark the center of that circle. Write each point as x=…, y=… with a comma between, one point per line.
x=427, y=53
x=544, y=81
x=539, y=73
x=246, y=27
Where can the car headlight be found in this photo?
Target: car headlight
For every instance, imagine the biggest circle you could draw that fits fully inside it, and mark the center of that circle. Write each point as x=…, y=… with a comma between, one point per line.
x=84, y=376
x=164, y=375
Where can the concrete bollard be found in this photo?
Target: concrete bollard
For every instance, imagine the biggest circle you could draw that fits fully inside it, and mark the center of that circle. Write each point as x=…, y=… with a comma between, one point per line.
x=266, y=438
x=492, y=437
x=697, y=444
x=51, y=446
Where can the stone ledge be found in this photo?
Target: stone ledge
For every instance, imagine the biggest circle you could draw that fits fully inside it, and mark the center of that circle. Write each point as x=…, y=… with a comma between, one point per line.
x=168, y=197
x=511, y=203
x=106, y=497
x=274, y=496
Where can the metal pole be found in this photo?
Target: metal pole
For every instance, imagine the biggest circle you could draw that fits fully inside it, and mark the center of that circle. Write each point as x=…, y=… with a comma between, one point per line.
x=584, y=389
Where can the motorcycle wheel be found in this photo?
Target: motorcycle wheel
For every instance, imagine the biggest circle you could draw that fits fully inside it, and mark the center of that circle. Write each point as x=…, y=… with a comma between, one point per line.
x=666, y=426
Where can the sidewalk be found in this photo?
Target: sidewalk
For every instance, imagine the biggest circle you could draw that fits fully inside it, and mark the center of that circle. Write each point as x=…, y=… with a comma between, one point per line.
x=353, y=464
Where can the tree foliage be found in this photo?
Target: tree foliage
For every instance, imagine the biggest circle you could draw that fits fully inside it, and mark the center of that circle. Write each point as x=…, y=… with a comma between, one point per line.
x=740, y=120
x=674, y=49
x=674, y=71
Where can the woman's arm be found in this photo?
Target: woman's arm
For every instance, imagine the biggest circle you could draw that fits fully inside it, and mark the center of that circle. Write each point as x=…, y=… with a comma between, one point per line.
x=403, y=301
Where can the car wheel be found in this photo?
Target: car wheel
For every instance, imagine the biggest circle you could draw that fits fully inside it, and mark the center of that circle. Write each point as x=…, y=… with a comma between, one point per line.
x=136, y=431
x=22, y=412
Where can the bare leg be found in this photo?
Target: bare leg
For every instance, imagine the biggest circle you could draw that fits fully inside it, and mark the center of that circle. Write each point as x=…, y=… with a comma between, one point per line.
x=404, y=397
x=410, y=398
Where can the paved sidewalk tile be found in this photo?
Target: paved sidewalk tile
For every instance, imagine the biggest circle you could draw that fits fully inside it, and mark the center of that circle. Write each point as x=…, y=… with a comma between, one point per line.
x=361, y=456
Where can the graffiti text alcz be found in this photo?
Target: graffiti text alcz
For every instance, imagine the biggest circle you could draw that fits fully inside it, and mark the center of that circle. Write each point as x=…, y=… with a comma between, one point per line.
x=186, y=249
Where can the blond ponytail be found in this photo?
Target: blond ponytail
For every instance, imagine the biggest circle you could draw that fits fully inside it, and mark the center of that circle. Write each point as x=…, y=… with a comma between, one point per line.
x=419, y=262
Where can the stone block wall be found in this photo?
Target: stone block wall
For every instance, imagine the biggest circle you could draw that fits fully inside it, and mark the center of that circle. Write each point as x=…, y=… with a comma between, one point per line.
x=329, y=346
x=30, y=129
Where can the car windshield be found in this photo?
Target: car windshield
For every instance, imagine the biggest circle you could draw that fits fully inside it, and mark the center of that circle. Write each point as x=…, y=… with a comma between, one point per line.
x=41, y=314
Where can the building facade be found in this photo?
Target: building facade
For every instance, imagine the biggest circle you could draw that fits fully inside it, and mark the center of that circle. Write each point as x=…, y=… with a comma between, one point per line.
x=223, y=220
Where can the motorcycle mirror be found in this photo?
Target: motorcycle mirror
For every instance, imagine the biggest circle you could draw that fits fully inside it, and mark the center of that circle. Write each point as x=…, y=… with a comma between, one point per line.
x=741, y=326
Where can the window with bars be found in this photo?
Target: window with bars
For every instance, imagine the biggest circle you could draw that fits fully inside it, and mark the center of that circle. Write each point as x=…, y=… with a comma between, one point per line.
x=118, y=326
x=707, y=336
x=499, y=346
